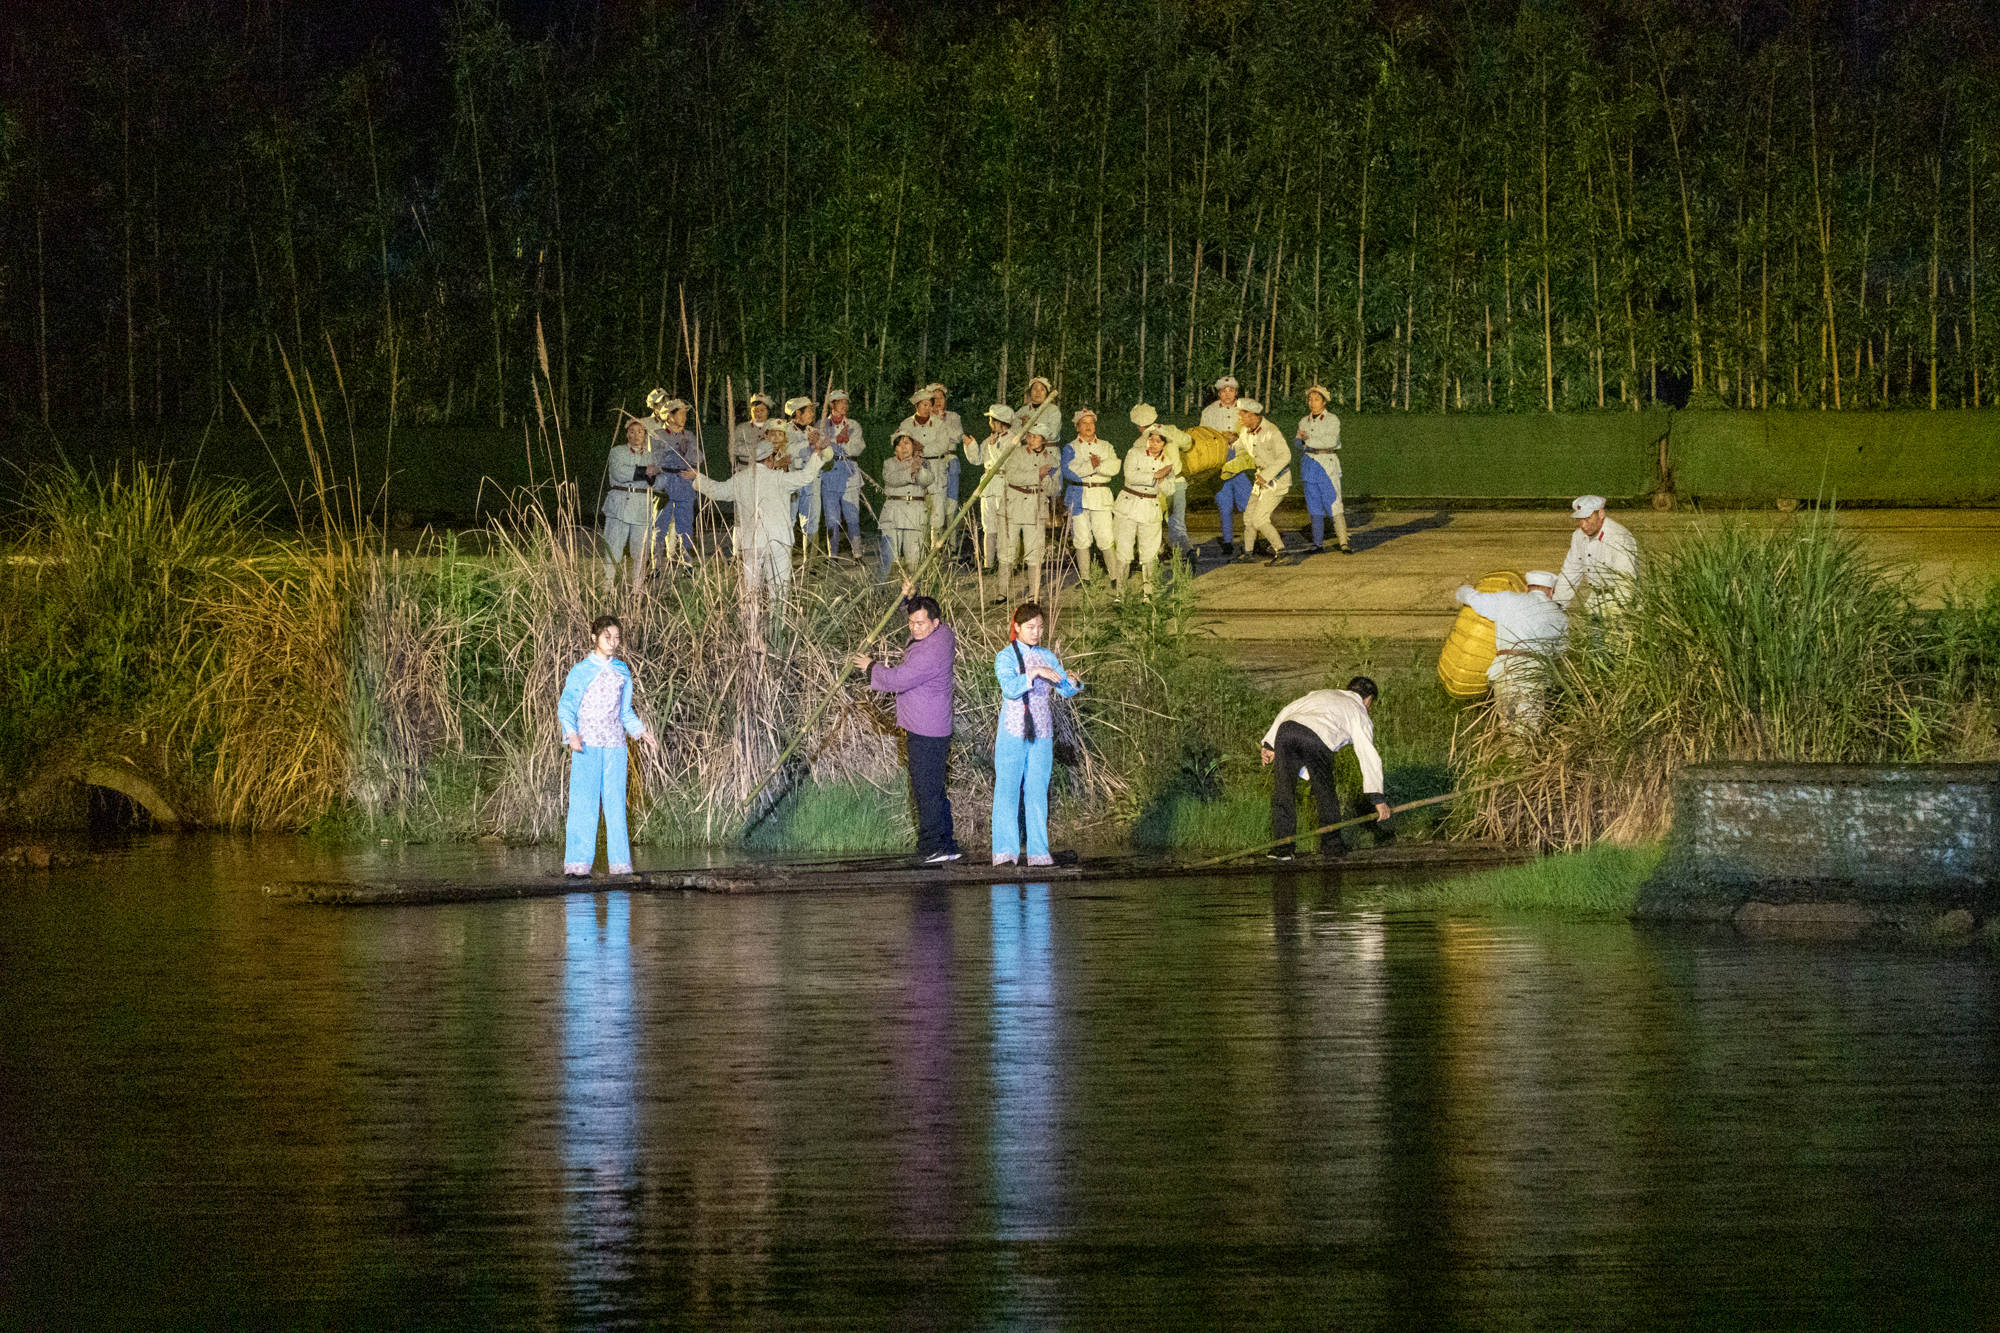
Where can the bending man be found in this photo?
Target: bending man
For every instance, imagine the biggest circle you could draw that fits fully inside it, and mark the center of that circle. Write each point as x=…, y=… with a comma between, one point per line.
x=1309, y=731
x=1527, y=627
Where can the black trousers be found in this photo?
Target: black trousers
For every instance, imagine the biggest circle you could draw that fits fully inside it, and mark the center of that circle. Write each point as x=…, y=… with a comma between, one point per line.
x=1296, y=747
x=927, y=763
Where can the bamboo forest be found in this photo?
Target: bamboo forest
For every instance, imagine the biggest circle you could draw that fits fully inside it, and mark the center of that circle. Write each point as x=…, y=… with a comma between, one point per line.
x=1499, y=207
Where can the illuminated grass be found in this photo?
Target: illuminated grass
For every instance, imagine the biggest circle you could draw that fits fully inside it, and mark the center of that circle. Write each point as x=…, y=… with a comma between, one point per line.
x=1600, y=881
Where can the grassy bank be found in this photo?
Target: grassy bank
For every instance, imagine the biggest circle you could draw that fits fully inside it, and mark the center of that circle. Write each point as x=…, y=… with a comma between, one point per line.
x=1788, y=644
x=1599, y=881
x=273, y=680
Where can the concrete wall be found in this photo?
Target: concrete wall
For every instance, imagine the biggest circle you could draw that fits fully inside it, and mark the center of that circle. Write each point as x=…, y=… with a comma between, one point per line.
x=1912, y=840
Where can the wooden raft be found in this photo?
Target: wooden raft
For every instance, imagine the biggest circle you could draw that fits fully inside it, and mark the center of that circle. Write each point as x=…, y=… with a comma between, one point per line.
x=884, y=873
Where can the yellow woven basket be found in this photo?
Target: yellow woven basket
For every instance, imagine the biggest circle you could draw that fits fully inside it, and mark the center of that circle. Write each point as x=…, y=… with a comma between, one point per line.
x=1469, y=649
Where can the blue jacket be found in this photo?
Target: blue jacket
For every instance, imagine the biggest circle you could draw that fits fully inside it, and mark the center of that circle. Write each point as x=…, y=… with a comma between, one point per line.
x=580, y=678
x=1072, y=484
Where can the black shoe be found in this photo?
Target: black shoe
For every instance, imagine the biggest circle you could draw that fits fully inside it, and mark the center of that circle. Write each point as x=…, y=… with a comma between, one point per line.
x=1282, y=559
x=1245, y=557
x=1316, y=549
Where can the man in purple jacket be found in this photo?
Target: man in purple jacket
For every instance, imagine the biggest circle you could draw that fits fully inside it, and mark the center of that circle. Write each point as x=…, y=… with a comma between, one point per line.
x=922, y=686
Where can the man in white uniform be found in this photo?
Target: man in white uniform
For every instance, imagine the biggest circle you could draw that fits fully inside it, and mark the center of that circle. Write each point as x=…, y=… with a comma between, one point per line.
x=801, y=435
x=952, y=429
x=1270, y=484
x=762, y=495
x=748, y=437
x=926, y=427
x=1527, y=628
x=1150, y=471
x=1089, y=464
x=1040, y=411
x=986, y=455
x=1603, y=555
x=1029, y=474
x=906, y=502
x=1308, y=732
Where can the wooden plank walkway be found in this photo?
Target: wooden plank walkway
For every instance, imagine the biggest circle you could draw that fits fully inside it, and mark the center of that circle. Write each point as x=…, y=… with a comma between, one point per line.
x=880, y=874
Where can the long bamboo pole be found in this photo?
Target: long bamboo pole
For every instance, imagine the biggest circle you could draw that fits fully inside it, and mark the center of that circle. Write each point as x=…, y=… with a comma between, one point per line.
x=1369, y=818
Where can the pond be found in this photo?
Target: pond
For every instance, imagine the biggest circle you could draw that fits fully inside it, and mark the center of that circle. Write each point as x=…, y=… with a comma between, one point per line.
x=1141, y=1103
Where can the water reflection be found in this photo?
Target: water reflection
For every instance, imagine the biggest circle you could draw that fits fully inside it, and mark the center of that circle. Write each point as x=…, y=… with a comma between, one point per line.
x=600, y=1140
x=1026, y=1086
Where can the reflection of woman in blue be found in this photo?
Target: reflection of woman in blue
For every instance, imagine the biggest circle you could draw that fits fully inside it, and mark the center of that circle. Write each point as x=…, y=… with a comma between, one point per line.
x=1025, y=745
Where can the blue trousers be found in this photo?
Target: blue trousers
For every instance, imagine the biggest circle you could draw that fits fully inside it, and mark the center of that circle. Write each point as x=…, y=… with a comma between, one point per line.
x=676, y=508
x=1021, y=777
x=1177, y=518
x=839, y=509
x=1322, y=496
x=596, y=781
x=951, y=482
x=1230, y=500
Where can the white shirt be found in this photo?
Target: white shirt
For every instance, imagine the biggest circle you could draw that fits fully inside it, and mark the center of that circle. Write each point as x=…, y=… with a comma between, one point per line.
x=1217, y=417
x=1608, y=562
x=1318, y=434
x=1523, y=622
x=1337, y=717
x=762, y=497
x=930, y=435
x=1268, y=446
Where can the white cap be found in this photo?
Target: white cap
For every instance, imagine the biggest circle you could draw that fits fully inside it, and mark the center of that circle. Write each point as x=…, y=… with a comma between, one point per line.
x=905, y=435
x=656, y=397
x=1540, y=578
x=1585, y=505
x=1153, y=430
x=1226, y=382
x=775, y=426
x=1038, y=432
x=934, y=388
x=761, y=397
x=1144, y=415
x=765, y=448
x=921, y=396
x=671, y=406
x=1077, y=416
x=792, y=405
x=1042, y=380
x=1250, y=405
x=1001, y=413
x=1319, y=389
x=836, y=396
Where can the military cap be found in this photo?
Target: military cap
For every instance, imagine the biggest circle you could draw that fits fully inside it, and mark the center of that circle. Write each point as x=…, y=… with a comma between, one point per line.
x=761, y=397
x=1226, y=382
x=1076, y=417
x=1250, y=405
x=1001, y=413
x=835, y=396
x=656, y=397
x=793, y=405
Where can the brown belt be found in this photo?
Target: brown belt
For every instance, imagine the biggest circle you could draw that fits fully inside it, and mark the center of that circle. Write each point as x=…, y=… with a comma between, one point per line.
x=1150, y=495
x=1025, y=490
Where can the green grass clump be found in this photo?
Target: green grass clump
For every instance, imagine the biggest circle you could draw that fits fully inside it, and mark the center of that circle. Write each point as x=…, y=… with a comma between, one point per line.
x=1787, y=645
x=1599, y=881
x=843, y=816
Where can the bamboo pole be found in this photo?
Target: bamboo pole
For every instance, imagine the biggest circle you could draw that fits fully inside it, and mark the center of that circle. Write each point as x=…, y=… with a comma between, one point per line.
x=1371, y=817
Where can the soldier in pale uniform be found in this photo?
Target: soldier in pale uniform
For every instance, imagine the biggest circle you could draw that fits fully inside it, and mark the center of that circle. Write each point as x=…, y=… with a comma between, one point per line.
x=1150, y=470
x=1271, y=482
x=1040, y=411
x=1318, y=438
x=748, y=436
x=1603, y=555
x=906, y=487
x=1029, y=474
x=926, y=427
x=986, y=454
x=1527, y=628
x=801, y=437
x=1088, y=465
x=674, y=452
x=953, y=429
x=840, y=485
x=762, y=494
x=1232, y=497
x=628, y=505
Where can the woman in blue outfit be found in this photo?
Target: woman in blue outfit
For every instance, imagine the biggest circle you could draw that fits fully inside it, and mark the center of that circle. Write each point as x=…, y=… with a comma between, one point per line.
x=596, y=716
x=1025, y=745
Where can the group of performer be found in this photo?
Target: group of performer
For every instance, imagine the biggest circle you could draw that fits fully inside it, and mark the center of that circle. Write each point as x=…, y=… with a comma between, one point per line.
x=799, y=480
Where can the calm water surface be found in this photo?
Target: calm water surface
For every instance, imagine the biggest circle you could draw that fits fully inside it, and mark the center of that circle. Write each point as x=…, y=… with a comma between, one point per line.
x=1150, y=1103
